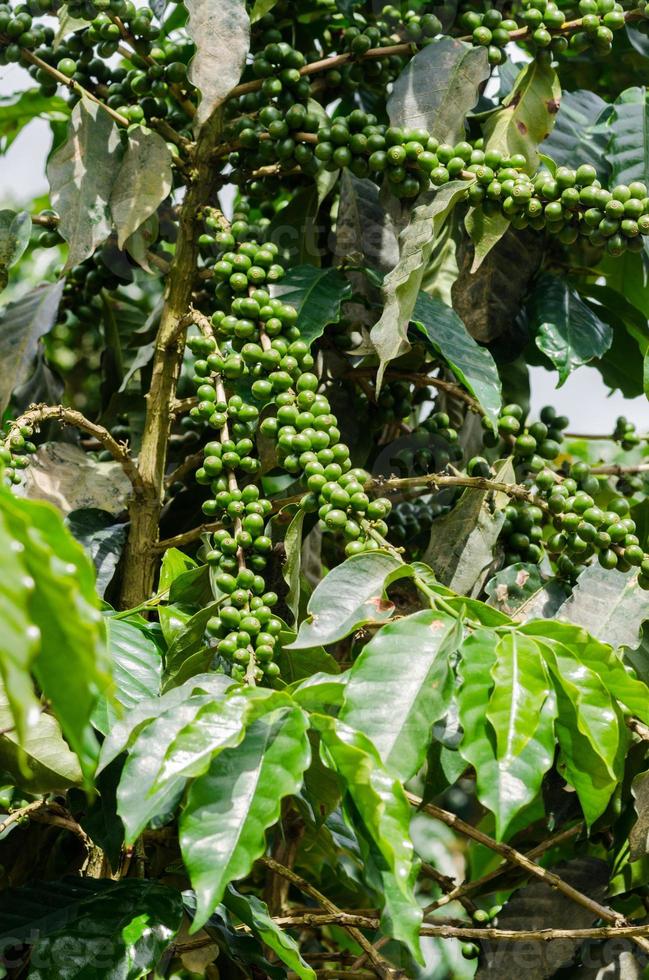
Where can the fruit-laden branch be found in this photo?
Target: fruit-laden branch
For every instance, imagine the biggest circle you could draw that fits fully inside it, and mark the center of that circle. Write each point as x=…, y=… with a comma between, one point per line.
x=37, y=414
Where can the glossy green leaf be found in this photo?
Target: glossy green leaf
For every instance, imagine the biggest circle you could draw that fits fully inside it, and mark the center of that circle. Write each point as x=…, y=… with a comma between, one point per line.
x=63, y=579
x=125, y=731
x=317, y=295
x=473, y=366
x=260, y=9
x=565, y=328
x=602, y=660
x=396, y=709
x=522, y=591
x=81, y=173
x=461, y=544
x=102, y=537
x=15, y=229
x=221, y=33
x=142, y=182
x=527, y=115
x=254, y=913
x=136, y=668
x=402, y=284
x=509, y=762
x=351, y=595
x=438, y=88
x=320, y=690
x=87, y=929
x=381, y=805
x=521, y=688
x=22, y=324
x=229, y=808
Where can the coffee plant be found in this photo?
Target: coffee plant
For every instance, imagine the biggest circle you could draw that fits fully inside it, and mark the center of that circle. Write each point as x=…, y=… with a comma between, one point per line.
x=322, y=653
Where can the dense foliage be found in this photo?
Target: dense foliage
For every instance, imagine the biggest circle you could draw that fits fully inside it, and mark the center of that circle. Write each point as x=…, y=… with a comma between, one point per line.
x=329, y=660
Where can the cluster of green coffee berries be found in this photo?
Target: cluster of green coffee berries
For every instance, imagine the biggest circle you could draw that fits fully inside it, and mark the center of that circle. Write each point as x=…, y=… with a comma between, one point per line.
x=534, y=444
x=16, y=447
x=625, y=433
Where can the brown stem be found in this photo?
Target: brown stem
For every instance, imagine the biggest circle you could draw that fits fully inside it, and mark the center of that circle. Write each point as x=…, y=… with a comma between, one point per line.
x=18, y=815
x=71, y=84
x=141, y=553
x=424, y=381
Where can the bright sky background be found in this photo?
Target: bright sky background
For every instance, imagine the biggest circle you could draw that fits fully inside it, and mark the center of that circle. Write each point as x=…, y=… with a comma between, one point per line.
x=584, y=397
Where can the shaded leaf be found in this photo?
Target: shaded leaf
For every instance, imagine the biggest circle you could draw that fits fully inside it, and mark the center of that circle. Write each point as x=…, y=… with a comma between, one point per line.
x=402, y=284
x=15, y=229
x=142, y=183
x=317, y=295
x=136, y=667
x=43, y=762
x=527, y=115
x=576, y=137
x=566, y=329
x=351, y=595
x=461, y=543
x=229, y=808
x=66, y=476
x=84, y=928
x=220, y=29
x=81, y=173
x=639, y=835
x=438, y=87
x=22, y=324
x=473, y=366
x=521, y=591
x=102, y=539
x=291, y=567
x=485, y=230
x=489, y=300
x=537, y=905
x=365, y=234
x=628, y=148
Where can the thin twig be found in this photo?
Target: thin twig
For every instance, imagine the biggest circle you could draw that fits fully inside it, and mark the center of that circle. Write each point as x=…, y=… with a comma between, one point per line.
x=18, y=815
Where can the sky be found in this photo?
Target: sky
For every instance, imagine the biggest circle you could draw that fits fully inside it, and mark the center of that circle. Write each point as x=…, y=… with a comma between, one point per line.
x=583, y=398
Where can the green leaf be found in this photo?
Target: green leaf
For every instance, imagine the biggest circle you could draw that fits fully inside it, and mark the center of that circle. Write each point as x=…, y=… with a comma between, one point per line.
x=15, y=113
x=42, y=761
x=81, y=173
x=221, y=33
x=260, y=9
x=521, y=688
x=576, y=137
x=89, y=929
x=63, y=579
x=316, y=294
x=628, y=148
x=22, y=324
x=291, y=567
x=254, y=913
x=142, y=183
x=509, y=761
x=566, y=329
x=137, y=669
x=521, y=590
x=351, y=595
x=461, y=544
x=102, y=538
x=125, y=731
x=174, y=564
x=401, y=286
x=229, y=808
x=438, y=88
x=601, y=659
x=472, y=365
x=485, y=231
x=383, y=809
x=397, y=709
x=527, y=115
x=15, y=229
x=609, y=604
